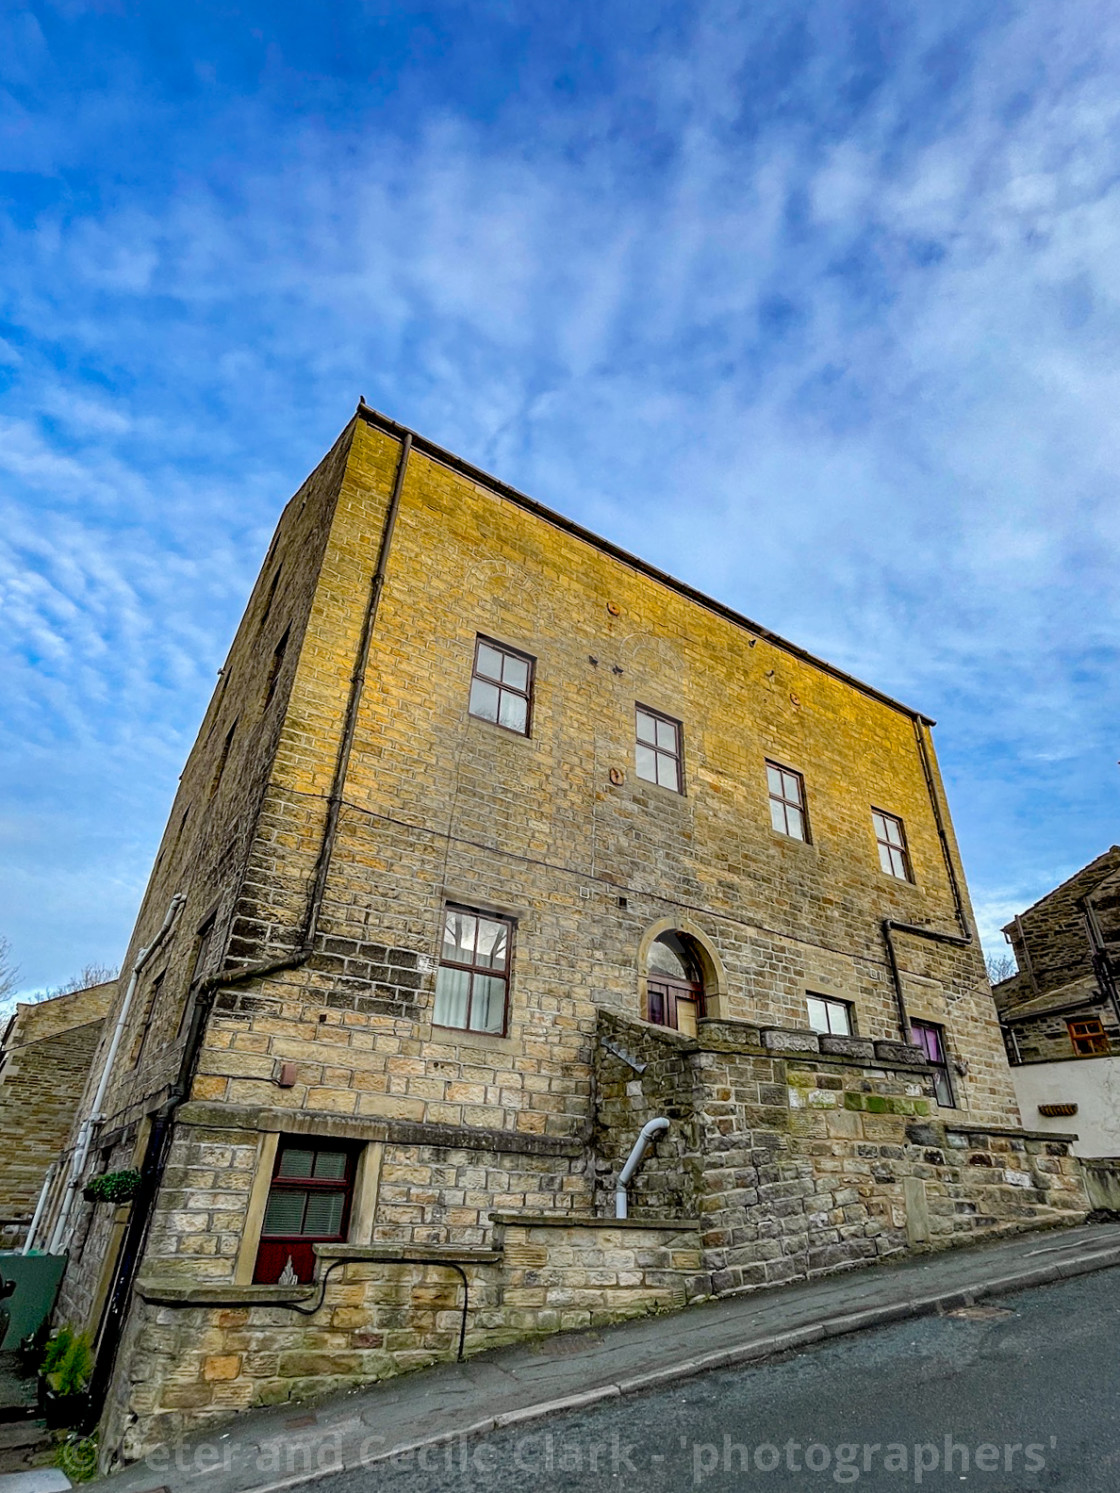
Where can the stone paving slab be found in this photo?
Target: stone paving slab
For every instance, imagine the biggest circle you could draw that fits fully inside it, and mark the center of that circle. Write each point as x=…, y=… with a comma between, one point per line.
x=289, y=1446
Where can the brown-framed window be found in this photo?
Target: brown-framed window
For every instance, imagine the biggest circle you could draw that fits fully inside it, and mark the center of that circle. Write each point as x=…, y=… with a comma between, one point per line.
x=472, y=982
x=931, y=1039
x=657, y=748
x=826, y=1014
x=787, y=801
x=1089, y=1037
x=674, y=985
x=894, y=858
x=502, y=686
x=308, y=1204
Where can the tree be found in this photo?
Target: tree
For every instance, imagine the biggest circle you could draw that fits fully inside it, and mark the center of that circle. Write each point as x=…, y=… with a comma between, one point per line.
x=90, y=974
x=1000, y=967
x=9, y=976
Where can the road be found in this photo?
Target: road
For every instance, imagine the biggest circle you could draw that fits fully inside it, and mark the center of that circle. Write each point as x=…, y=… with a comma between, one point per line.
x=1009, y=1397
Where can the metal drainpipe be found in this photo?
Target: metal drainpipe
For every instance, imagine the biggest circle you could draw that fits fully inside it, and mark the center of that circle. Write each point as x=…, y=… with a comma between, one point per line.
x=645, y=1135
x=1098, y=949
x=155, y=1156
x=890, y=926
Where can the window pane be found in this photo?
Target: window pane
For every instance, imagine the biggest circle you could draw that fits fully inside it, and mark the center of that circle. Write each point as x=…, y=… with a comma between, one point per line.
x=885, y=859
x=492, y=944
x=296, y=1163
x=489, y=1005
x=666, y=736
x=489, y=662
x=458, y=937
x=795, y=823
x=929, y=1039
x=791, y=787
x=515, y=671
x=452, y=992
x=818, y=1015
x=943, y=1089
x=484, y=700
x=667, y=773
x=284, y=1214
x=878, y=825
x=667, y=957
x=839, y=1018
x=686, y=1017
x=647, y=727
x=330, y=1165
x=323, y=1218
x=774, y=780
x=894, y=830
x=898, y=864
x=656, y=1004
x=645, y=763
x=778, y=816
x=514, y=712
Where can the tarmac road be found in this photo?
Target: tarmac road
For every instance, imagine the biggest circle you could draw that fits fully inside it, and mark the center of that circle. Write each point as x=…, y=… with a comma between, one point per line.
x=1023, y=1393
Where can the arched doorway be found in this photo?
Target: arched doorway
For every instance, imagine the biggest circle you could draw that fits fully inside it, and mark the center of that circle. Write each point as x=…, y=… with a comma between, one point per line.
x=674, y=983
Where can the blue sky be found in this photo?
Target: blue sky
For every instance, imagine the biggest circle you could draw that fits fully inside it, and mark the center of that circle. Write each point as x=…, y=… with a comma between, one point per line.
x=814, y=304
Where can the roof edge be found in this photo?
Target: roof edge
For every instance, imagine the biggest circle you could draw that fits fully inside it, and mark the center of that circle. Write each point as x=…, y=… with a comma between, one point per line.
x=587, y=536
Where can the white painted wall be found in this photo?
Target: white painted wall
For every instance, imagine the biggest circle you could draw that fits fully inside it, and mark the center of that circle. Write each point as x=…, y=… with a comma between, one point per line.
x=1093, y=1084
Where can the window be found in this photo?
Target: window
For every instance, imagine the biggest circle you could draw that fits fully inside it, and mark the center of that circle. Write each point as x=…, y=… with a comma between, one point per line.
x=787, y=801
x=828, y=1015
x=674, y=985
x=657, y=751
x=931, y=1039
x=149, y=1012
x=274, y=668
x=308, y=1203
x=223, y=758
x=894, y=858
x=472, y=983
x=501, y=686
x=1089, y=1037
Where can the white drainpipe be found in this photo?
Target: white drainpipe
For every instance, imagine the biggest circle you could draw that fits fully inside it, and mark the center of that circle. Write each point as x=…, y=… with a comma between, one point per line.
x=39, y=1206
x=633, y=1161
x=60, y=1238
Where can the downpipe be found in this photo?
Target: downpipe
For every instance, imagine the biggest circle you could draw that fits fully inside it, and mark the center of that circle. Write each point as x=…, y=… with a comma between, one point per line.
x=633, y=1161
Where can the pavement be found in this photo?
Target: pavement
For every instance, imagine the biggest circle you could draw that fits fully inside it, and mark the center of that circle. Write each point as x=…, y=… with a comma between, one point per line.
x=288, y=1446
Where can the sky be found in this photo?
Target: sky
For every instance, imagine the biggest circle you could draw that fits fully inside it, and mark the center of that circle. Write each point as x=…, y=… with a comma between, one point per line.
x=815, y=305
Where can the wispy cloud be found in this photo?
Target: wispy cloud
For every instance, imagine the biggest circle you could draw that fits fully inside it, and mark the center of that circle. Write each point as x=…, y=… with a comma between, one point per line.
x=816, y=305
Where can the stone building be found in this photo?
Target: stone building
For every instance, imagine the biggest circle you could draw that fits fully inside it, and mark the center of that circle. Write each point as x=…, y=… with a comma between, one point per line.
x=45, y=1054
x=495, y=843
x=1061, y=1011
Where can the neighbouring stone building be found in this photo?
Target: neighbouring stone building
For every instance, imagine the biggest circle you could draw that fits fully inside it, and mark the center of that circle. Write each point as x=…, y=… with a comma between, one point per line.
x=1061, y=1013
x=496, y=843
x=45, y=1053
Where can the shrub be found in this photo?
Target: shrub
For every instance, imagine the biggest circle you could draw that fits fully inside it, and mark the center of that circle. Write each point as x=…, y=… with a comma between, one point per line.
x=77, y=1457
x=71, y=1375
x=57, y=1347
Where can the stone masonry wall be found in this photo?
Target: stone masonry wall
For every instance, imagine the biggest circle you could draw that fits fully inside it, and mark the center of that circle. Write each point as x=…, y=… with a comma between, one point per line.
x=552, y=830
x=192, y=1365
x=804, y=1163
x=45, y=1058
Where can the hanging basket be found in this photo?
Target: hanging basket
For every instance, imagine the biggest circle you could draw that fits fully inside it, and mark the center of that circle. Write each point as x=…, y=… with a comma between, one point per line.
x=112, y=1187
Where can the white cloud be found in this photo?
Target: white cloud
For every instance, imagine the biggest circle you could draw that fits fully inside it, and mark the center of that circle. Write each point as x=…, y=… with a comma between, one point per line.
x=853, y=372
